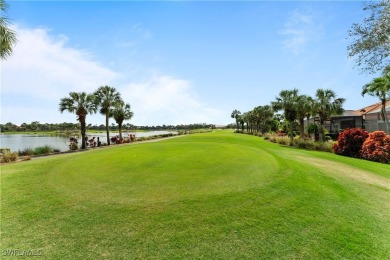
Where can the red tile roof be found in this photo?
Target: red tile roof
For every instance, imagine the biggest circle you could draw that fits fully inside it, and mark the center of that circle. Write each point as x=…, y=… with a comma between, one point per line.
x=368, y=109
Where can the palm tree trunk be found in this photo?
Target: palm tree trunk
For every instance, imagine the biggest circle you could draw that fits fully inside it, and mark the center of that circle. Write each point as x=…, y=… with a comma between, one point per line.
x=321, y=131
x=82, y=127
x=301, y=127
x=308, y=123
x=291, y=134
x=107, y=131
x=120, y=131
x=384, y=115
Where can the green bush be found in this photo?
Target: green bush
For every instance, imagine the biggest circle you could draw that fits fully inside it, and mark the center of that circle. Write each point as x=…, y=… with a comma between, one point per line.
x=43, y=150
x=46, y=149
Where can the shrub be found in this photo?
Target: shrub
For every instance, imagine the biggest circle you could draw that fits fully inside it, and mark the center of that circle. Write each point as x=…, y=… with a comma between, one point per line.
x=350, y=141
x=7, y=157
x=313, y=129
x=272, y=138
x=324, y=146
x=73, y=146
x=43, y=150
x=26, y=152
x=283, y=140
x=304, y=144
x=377, y=147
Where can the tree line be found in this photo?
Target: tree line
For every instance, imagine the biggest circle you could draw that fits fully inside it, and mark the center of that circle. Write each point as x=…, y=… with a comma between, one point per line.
x=295, y=108
x=36, y=126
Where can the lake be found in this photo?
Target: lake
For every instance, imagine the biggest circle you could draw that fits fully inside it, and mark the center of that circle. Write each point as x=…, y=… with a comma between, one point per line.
x=17, y=142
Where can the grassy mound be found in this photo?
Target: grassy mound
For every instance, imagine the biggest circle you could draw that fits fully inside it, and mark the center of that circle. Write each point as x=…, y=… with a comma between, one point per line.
x=213, y=195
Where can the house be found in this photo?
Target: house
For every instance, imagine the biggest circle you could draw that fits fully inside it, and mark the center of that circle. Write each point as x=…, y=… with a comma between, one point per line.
x=368, y=118
x=373, y=118
x=349, y=119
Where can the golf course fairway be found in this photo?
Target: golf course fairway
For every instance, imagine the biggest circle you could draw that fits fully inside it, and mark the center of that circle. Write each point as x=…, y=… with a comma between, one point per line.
x=216, y=195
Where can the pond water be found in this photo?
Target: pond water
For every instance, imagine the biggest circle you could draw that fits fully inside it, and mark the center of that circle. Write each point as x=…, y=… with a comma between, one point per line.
x=17, y=142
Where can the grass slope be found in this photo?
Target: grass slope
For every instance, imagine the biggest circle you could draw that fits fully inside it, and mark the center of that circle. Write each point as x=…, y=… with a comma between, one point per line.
x=215, y=195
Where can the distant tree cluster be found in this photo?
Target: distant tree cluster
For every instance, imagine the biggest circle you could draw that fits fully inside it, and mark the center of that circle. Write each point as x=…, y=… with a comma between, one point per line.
x=295, y=107
x=36, y=126
x=42, y=127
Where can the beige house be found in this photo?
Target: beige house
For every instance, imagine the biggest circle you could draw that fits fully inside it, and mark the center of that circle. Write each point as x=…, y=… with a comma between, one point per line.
x=373, y=118
x=368, y=118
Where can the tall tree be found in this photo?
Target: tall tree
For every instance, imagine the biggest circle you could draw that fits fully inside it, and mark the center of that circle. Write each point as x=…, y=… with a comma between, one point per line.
x=326, y=105
x=304, y=105
x=107, y=98
x=262, y=115
x=309, y=109
x=286, y=101
x=8, y=36
x=121, y=112
x=81, y=104
x=236, y=115
x=380, y=87
x=371, y=41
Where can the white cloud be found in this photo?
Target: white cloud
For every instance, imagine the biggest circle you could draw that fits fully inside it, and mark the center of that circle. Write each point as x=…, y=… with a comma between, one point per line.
x=167, y=100
x=299, y=30
x=40, y=71
x=43, y=69
x=42, y=66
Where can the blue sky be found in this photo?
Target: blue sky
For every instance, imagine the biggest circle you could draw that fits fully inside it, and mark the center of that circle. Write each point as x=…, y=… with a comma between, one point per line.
x=177, y=62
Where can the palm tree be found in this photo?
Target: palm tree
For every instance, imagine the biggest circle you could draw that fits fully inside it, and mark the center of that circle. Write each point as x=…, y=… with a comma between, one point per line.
x=8, y=36
x=304, y=106
x=121, y=112
x=262, y=114
x=286, y=101
x=247, y=119
x=81, y=104
x=236, y=114
x=326, y=105
x=106, y=98
x=309, y=109
x=380, y=87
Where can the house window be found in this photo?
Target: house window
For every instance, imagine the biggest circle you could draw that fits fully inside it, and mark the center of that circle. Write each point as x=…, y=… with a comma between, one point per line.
x=347, y=124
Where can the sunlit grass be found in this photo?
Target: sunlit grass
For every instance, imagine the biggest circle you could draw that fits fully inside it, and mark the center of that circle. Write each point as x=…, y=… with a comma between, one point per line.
x=213, y=195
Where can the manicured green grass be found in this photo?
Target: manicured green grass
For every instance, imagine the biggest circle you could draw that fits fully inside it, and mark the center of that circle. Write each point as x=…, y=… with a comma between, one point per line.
x=216, y=195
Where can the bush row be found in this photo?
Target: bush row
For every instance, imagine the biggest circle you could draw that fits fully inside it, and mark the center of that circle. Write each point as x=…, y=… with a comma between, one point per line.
x=358, y=143
x=46, y=149
x=300, y=142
